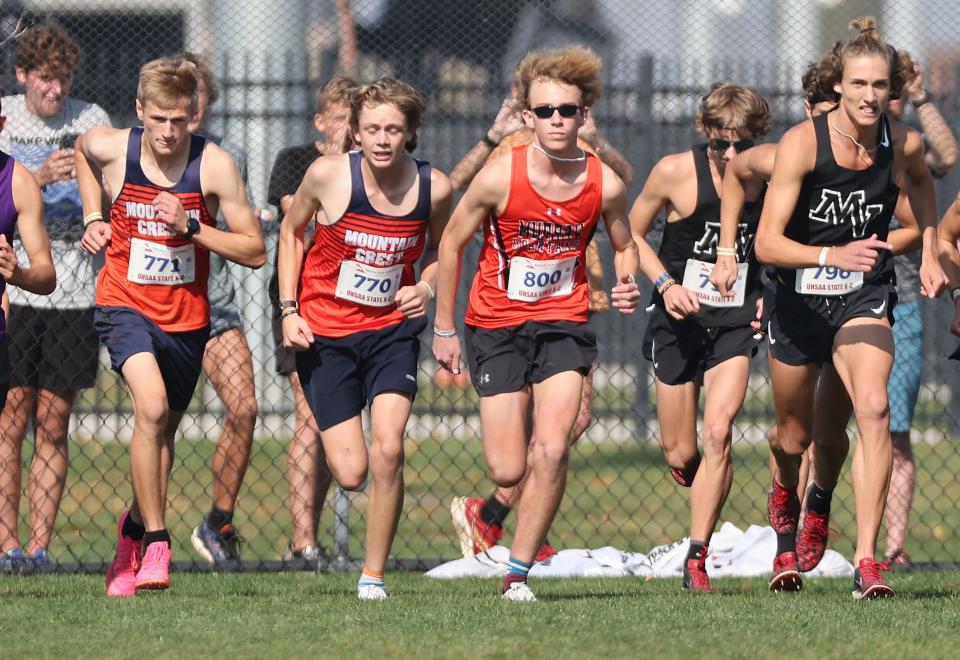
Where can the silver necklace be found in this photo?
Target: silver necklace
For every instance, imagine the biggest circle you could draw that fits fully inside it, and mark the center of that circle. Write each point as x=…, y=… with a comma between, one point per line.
x=853, y=139
x=582, y=157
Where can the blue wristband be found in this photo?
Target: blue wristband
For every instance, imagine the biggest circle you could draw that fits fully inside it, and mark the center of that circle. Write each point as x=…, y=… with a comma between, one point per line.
x=664, y=276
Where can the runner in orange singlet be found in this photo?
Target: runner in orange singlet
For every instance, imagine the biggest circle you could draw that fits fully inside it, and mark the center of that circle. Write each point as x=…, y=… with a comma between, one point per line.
x=361, y=309
x=526, y=339
x=152, y=309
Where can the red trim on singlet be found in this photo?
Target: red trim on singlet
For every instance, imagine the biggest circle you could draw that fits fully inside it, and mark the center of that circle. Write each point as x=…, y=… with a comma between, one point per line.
x=179, y=308
x=563, y=229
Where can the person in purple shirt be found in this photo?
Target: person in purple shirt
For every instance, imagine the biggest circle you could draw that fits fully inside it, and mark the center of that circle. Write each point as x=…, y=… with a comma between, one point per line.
x=21, y=206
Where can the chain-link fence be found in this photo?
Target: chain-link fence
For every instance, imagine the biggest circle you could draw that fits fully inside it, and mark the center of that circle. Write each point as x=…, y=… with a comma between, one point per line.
x=269, y=57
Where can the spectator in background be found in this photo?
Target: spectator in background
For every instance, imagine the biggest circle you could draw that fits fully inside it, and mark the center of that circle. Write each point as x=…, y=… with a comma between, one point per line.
x=53, y=345
x=904, y=386
x=307, y=472
x=228, y=365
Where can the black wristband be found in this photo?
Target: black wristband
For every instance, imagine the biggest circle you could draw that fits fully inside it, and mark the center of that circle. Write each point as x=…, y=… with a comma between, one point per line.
x=193, y=226
x=487, y=140
x=286, y=304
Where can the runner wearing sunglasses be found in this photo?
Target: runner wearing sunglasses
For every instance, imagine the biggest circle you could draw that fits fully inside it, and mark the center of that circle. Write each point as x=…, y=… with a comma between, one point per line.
x=696, y=337
x=527, y=340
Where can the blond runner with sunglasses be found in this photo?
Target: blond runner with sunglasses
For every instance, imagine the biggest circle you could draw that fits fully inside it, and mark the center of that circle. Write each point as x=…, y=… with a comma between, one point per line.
x=527, y=340
x=696, y=337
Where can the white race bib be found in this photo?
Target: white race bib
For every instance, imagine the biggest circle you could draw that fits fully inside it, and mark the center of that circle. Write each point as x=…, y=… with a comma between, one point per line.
x=155, y=263
x=696, y=278
x=532, y=280
x=827, y=281
x=368, y=285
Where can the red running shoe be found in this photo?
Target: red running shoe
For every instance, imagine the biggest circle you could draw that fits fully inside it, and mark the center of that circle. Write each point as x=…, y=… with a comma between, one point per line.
x=783, y=509
x=786, y=577
x=867, y=581
x=812, y=540
x=695, y=576
x=475, y=535
x=545, y=552
x=681, y=478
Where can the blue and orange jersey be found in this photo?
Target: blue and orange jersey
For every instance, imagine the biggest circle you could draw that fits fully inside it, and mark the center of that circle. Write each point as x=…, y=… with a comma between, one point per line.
x=148, y=267
x=357, y=263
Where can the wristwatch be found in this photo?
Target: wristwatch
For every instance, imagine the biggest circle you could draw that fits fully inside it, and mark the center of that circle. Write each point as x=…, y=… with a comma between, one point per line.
x=193, y=226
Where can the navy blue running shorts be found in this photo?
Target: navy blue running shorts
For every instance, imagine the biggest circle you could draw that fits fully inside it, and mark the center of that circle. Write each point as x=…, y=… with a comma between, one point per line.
x=126, y=332
x=340, y=376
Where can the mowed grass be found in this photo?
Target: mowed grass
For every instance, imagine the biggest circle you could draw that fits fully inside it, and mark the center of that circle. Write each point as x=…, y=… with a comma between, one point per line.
x=303, y=615
x=619, y=495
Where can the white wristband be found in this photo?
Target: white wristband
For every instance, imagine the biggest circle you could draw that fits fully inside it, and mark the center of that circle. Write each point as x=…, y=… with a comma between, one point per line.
x=955, y=294
x=427, y=287
x=822, y=259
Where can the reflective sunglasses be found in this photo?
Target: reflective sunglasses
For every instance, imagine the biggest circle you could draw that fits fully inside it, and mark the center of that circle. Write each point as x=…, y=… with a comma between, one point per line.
x=566, y=110
x=719, y=146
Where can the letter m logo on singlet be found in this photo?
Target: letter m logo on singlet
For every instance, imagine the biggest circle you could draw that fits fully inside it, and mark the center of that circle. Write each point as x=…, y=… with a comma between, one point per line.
x=835, y=208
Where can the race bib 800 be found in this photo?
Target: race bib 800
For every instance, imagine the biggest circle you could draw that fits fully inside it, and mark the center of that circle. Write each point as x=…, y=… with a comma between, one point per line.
x=155, y=263
x=368, y=285
x=696, y=278
x=532, y=280
x=827, y=281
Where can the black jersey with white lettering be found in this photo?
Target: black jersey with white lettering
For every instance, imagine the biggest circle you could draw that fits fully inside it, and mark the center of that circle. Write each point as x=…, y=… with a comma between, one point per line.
x=696, y=236
x=838, y=205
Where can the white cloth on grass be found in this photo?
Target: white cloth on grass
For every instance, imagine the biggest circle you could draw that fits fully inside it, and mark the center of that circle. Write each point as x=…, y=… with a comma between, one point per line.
x=733, y=553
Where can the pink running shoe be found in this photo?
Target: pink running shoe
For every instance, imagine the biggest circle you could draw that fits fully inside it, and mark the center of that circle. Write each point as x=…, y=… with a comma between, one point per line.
x=122, y=574
x=154, y=570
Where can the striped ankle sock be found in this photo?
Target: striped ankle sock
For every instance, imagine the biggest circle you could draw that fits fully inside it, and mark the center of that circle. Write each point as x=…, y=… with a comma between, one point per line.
x=516, y=573
x=370, y=578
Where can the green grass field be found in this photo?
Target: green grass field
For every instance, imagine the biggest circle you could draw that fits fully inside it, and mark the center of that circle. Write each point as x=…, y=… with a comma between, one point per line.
x=619, y=495
x=303, y=615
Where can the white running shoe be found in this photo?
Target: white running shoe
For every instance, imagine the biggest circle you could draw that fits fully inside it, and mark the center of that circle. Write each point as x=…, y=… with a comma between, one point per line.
x=371, y=592
x=519, y=592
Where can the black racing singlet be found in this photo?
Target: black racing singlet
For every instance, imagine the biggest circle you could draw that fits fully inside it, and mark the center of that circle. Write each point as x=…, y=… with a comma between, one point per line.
x=696, y=236
x=837, y=205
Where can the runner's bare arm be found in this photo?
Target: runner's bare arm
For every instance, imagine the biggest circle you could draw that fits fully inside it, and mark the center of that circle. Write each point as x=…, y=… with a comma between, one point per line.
x=412, y=301
x=290, y=252
x=626, y=258
x=506, y=122
x=484, y=195
x=796, y=156
x=919, y=187
x=745, y=168
x=95, y=150
x=655, y=196
x=40, y=276
x=906, y=238
x=948, y=233
x=243, y=244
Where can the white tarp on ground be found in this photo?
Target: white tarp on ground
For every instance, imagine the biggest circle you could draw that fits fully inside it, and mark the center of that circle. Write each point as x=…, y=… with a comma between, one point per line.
x=733, y=553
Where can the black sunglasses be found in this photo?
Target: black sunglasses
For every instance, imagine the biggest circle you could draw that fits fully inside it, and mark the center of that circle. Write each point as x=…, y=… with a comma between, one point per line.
x=719, y=146
x=565, y=109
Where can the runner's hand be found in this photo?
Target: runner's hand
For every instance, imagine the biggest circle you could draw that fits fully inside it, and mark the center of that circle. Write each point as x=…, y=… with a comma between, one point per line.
x=96, y=236
x=681, y=302
x=447, y=352
x=724, y=275
x=170, y=211
x=297, y=334
x=8, y=259
x=412, y=301
x=858, y=256
x=933, y=281
x=625, y=295
x=757, y=323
